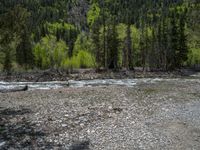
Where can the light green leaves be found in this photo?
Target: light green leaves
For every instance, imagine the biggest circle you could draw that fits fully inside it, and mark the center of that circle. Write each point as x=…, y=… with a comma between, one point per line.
x=49, y=52
x=84, y=43
x=83, y=59
x=93, y=14
x=54, y=27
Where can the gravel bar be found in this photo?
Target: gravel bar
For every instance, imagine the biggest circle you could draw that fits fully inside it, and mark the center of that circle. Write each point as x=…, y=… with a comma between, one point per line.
x=164, y=115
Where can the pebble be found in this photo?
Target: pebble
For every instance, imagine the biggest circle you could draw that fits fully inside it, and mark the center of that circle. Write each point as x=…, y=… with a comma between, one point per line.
x=64, y=125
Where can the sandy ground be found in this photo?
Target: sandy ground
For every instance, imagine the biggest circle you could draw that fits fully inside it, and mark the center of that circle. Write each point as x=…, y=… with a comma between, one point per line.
x=164, y=115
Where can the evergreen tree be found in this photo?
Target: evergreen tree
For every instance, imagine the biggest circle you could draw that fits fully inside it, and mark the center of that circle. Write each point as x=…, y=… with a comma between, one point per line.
x=24, y=52
x=96, y=40
x=127, y=53
x=172, y=59
x=165, y=45
x=11, y=25
x=112, y=47
x=183, y=49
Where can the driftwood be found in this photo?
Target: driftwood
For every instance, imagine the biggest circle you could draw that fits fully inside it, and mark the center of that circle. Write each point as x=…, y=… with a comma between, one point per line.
x=25, y=88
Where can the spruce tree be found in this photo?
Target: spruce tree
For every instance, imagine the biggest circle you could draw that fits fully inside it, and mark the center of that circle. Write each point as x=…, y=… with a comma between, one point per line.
x=183, y=49
x=128, y=49
x=172, y=59
x=112, y=47
x=96, y=40
x=24, y=54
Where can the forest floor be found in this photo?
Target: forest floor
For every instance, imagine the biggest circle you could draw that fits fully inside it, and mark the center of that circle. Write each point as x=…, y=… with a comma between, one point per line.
x=147, y=116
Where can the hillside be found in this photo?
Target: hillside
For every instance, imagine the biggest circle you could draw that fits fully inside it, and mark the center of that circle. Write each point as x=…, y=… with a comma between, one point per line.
x=114, y=34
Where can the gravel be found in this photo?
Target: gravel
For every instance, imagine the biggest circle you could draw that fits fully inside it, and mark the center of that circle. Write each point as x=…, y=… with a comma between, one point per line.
x=160, y=115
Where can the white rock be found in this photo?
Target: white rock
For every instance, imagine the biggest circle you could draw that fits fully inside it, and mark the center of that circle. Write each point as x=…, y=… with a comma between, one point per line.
x=88, y=131
x=2, y=144
x=66, y=115
x=93, y=131
x=64, y=125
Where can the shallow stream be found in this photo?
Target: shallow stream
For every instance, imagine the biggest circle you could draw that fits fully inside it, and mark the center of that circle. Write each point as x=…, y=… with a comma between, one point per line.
x=87, y=83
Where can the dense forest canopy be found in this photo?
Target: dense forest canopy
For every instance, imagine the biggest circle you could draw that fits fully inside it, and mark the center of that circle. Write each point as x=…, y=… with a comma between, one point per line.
x=110, y=34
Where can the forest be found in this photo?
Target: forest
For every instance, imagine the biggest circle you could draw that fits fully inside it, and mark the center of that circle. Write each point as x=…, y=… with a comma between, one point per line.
x=110, y=34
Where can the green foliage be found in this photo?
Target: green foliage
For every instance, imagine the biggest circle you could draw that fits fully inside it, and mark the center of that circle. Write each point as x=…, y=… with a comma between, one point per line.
x=1, y=67
x=53, y=28
x=12, y=24
x=85, y=59
x=1, y=57
x=121, y=31
x=70, y=34
x=52, y=53
x=93, y=14
x=194, y=46
x=83, y=43
x=135, y=40
x=24, y=54
x=135, y=37
x=71, y=63
x=113, y=43
x=49, y=52
x=41, y=59
x=82, y=60
x=194, y=56
x=7, y=62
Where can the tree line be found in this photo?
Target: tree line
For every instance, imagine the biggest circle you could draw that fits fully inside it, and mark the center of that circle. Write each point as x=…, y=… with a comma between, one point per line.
x=112, y=34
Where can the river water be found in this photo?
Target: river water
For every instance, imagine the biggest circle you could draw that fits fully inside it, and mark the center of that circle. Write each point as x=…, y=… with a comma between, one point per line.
x=88, y=83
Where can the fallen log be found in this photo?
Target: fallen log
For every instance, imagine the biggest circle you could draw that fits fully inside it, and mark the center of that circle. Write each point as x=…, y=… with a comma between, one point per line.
x=18, y=89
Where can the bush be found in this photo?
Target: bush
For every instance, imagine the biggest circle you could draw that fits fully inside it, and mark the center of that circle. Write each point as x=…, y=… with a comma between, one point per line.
x=83, y=43
x=194, y=56
x=82, y=60
x=86, y=60
x=50, y=53
x=70, y=63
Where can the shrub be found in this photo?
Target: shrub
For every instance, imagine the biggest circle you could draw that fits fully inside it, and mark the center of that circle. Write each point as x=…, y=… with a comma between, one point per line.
x=86, y=60
x=194, y=56
x=70, y=63
x=83, y=43
x=82, y=60
x=49, y=52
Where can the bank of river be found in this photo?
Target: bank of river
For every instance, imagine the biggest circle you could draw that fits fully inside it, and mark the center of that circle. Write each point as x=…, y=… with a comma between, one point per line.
x=91, y=74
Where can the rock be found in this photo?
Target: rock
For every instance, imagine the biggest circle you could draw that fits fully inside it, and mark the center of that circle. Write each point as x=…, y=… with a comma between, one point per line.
x=110, y=107
x=64, y=125
x=2, y=144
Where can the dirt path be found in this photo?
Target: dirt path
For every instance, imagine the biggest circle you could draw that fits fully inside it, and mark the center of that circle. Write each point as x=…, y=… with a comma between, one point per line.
x=164, y=115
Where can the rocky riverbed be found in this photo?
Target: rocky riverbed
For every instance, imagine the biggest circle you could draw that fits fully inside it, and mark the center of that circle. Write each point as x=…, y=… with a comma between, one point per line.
x=156, y=115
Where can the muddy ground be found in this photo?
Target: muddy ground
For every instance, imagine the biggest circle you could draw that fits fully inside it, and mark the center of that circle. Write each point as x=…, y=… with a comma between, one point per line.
x=164, y=115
